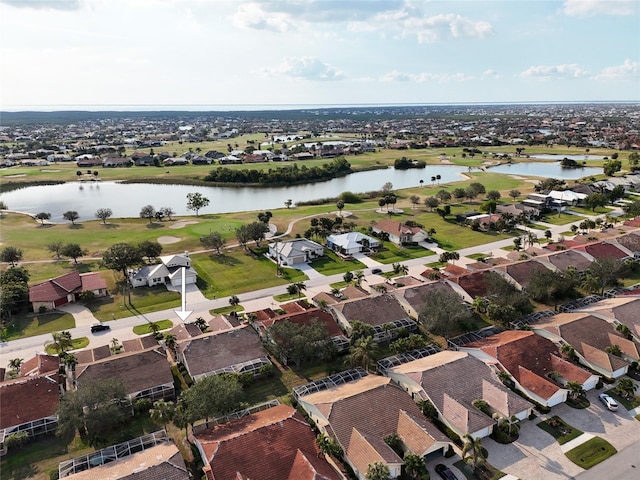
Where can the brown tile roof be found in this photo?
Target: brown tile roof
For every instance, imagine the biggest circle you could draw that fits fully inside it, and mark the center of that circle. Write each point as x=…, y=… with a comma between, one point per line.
x=26, y=399
x=92, y=281
x=415, y=296
x=217, y=350
x=263, y=446
x=475, y=284
x=326, y=297
x=569, y=258
x=556, y=246
x=184, y=331
x=305, y=318
x=603, y=250
x=39, y=365
x=376, y=310
x=352, y=292
x=295, y=307
x=365, y=449
x=394, y=227
x=473, y=380
x=56, y=288
x=138, y=344
x=453, y=270
x=533, y=382
x=521, y=272
x=138, y=371
x=634, y=222
x=372, y=405
x=630, y=241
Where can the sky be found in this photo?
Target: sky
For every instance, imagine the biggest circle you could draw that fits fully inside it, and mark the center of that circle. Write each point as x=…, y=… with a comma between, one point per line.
x=191, y=53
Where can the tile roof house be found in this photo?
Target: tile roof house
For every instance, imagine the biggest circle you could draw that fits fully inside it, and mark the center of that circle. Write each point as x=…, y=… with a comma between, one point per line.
x=631, y=241
x=144, y=374
x=590, y=336
x=40, y=364
x=379, y=311
x=619, y=310
x=292, y=252
x=273, y=444
x=413, y=300
x=601, y=250
x=65, y=288
x=28, y=404
x=361, y=413
x=529, y=358
x=568, y=258
x=167, y=272
x=521, y=272
x=237, y=350
x=475, y=284
x=431, y=378
x=399, y=233
x=352, y=242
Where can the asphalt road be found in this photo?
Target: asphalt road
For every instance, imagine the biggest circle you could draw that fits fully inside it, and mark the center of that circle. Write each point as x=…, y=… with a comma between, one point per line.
x=625, y=465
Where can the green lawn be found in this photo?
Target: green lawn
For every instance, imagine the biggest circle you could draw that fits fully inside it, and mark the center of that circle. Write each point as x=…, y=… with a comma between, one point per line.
x=331, y=264
x=285, y=297
x=29, y=325
x=489, y=472
x=76, y=343
x=588, y=211
x=563, y=433
x=591, y=452
x=226, y=310
x=562, y=219
x=145, y=328
x=625, y=402
x=239, y=271
x=143, y=300
x=395, y=254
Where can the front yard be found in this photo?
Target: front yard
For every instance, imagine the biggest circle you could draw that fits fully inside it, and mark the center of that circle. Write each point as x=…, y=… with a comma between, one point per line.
x=591, y=452
x=559, y=429
x=395, y=254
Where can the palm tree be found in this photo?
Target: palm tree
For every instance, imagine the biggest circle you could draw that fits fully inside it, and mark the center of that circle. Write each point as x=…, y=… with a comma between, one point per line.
x=414, y=466
x=626, y=387
x=15, y=364
x=472, y=451
x=614, y=350
x=378, y=471
x=624, y=330
x=324, y=444
x=510, y=426
x=358, y=276
x=340, y=205
x=162, y=412
x=363, y=352
x=115, y=345
x=575, y=389
x=479, y=305
x=568, y=351
x=438, y=178
x=170, y=341
x=62, y=341
x=234, y=301
x=201, y=324
x=296, y=288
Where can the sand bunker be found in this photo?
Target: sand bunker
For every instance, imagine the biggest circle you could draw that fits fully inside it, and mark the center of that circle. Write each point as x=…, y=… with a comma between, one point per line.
x=183, y=223
x=16, y=175
x=166, y=240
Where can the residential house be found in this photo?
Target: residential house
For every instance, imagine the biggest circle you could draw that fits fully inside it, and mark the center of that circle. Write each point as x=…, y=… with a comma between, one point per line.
x=292, y=252
x=272, y=444
x=602, y=250
x=564, y=260
x=475, y=284
x=521, y=272
x=566, y=198
x=630, y=241
x=145, y=374
x=114, y=161
x=28, y=405
x=238, y=350
x=591, y=337
x=623, y=310
x=399, y=233
x=65, y=289
x=167, y=272
x=431, y=378
x=351, y=243
x=533, y=362
x=382, y=312
x=359, y=415
x=142, y=159
x=414, y=299
x=40, y=364
x=538, y=201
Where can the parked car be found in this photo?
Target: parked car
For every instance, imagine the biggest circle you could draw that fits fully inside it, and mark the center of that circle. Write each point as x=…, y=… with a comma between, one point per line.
x=376, y=271
x=99, y=327
x=445, y=472
x=608, y=401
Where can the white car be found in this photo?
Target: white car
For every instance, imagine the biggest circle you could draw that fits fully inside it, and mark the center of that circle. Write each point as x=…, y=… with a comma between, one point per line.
x=608, y=401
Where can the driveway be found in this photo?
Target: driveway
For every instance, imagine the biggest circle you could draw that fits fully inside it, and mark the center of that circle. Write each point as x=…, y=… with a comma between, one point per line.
x=536, y=454
x=81, y=314
x=308, y=270
x=368, y=261
x=194, y=295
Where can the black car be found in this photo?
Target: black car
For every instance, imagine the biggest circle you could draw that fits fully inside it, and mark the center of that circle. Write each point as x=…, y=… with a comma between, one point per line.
x=376, y=271
x=445, y=472
x=99, y=327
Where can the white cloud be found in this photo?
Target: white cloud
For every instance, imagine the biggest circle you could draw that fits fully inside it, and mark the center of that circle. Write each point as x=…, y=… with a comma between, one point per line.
x=490, y=73
x=628, y=69
x=254, y=16
x=423, y=77
x=554, y=71
x=588, y=8
x=309, y=68
x=44, y=4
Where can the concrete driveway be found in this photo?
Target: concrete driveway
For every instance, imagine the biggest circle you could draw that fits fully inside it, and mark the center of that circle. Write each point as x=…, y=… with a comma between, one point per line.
x=81, y=314
x=536, y=454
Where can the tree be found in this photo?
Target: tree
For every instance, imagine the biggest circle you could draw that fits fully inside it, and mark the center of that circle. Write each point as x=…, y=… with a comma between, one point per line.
x=162, y=412
x=378, y=471
x=243, y=235
x=73, y=250
x=212, y=396
x=150, y=249
x=575, y=389
x=626, y=388
x=121, y=257
x=358, y=277
x=288, y=203
x=415, y=200
x=340, y=206
x=148, y=212
x=234, y=301
x=296, y=288
x=509, y=425
x=167, y=212
x=62, y=342
x=414, y=466
x=493, y=195
x=472, y=451
x=10, y=255
x=103, y=214
x=548, y=286
x=459, y=193
x=348, y=277
x=42, y=216
x=614, y=350
x=603, y=273
x=14, y=290
x=431, y=203
x=443, y=311
x=55, y=248
x=611, y=167
x=257, y=231
x=300, y=343
x=362, y=353
x=213, y=241
x=595, y=200
x=71, y=215
x=265, y=217
x=14, y=365
x=443, y=196
x=514, y=194
x=634, y=160
x=196, y=201
x=624, y=330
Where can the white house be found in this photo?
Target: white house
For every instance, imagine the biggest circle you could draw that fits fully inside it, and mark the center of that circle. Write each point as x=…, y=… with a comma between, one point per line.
x=300, y=250
x=352, y=242
x=169, y=271
x=399, y=233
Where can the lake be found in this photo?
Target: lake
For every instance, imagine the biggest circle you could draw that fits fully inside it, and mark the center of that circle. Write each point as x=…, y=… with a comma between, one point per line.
x=126, y=200
x=577, y=158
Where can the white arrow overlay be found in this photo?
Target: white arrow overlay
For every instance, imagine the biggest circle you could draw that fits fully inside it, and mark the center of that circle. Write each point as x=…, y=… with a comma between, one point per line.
x=184, y=314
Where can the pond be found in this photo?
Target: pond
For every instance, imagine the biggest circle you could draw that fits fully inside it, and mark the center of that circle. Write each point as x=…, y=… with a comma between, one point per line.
x=577, y=158
x=545, y=169
x=126, y=200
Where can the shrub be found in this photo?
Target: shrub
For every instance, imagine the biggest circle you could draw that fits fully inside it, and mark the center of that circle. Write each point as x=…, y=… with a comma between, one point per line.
x=142, y=405
x=16, y=439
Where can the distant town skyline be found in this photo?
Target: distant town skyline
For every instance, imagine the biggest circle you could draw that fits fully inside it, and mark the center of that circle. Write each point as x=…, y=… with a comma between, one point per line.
x=101, y=53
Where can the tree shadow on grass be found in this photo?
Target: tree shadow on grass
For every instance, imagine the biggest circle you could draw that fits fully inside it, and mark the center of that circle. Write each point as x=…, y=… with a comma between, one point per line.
x=224, y=260
x=110, y=225
x=154, y=226
x=76, y=226
x=46, y=225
